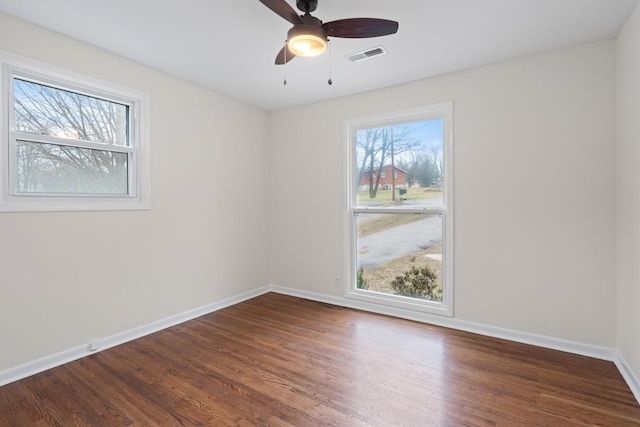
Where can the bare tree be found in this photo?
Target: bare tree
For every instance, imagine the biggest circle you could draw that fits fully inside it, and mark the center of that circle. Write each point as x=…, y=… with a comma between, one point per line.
x=49, y=167
x=368, y=150
x=438, y=161
x=376, y=146
x=423, y=167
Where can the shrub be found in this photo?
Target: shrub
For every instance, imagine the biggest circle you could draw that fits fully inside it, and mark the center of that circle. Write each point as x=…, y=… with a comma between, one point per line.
x=361, y=281
x=419, y=282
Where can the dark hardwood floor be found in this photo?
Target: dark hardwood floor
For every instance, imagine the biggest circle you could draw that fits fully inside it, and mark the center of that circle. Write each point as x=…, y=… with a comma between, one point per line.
x=282, y=361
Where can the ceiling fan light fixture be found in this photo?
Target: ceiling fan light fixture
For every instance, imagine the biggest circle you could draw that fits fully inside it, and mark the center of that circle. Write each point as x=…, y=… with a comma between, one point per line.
x=307, y=40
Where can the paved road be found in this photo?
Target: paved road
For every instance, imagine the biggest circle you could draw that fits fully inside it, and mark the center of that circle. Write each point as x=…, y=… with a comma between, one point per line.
x=379, y=248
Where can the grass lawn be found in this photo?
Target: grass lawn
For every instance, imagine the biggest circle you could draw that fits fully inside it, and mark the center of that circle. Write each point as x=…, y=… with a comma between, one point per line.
x=384, y=196
x=383, y=222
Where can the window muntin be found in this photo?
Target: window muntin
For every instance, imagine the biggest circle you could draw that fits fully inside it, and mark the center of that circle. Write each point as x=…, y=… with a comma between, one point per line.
x=400, y=229
x=70, y=141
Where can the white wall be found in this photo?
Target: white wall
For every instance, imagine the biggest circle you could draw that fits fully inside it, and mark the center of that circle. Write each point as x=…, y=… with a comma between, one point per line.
x=534, y=178
x=69, y=278
x=628, y=191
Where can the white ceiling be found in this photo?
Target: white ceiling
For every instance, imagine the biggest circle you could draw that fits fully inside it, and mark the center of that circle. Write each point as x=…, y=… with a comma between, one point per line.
x=230, y=46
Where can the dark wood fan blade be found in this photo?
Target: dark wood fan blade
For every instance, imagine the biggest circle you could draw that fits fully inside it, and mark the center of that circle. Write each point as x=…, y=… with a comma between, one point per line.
x=280, y=57
x=359, y=28
x=283, y=9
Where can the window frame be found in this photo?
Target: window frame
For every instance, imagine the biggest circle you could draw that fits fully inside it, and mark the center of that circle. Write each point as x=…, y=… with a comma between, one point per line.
x=442, y=111
x=138, y=195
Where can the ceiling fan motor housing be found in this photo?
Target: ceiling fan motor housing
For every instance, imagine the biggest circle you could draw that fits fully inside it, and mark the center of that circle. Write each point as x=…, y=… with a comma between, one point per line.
x=307, y=5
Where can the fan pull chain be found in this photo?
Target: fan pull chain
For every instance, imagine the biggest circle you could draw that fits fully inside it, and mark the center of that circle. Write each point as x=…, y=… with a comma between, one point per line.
x=284, y=66
x=330, y=59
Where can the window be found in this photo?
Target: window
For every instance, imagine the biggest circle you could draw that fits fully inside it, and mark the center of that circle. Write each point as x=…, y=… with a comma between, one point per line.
x=400, y=232
x=70, y=142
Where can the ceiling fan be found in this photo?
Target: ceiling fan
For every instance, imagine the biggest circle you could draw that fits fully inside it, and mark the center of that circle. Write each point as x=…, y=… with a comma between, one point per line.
x=308, y=36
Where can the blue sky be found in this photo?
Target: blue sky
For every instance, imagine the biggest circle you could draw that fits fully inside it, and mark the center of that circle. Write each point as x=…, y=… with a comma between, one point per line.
x=430, y=132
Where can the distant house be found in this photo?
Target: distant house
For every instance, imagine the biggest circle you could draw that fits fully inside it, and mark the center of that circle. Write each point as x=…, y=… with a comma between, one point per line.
x=386, y=178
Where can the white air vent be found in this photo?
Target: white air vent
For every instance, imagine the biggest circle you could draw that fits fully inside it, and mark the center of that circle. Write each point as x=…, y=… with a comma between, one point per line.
x=369, y=53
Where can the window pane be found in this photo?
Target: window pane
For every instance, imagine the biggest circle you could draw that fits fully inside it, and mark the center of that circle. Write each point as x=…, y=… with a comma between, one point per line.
x=50, y=168
x=45, y=110
x=400, y=165
x=400, y=254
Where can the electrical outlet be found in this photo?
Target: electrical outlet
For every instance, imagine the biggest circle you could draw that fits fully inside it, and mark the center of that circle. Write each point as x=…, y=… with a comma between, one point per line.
x=336, y=282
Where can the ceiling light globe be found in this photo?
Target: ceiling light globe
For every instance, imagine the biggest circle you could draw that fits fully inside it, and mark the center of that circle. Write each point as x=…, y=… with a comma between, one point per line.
x=306, y=40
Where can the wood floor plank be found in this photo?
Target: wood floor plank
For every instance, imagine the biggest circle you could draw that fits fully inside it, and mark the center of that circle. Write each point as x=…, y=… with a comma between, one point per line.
x=283, y=361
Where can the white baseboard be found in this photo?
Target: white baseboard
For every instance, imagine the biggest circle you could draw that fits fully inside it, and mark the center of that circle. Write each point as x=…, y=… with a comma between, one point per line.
x=628, y=375
x=48, y=362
